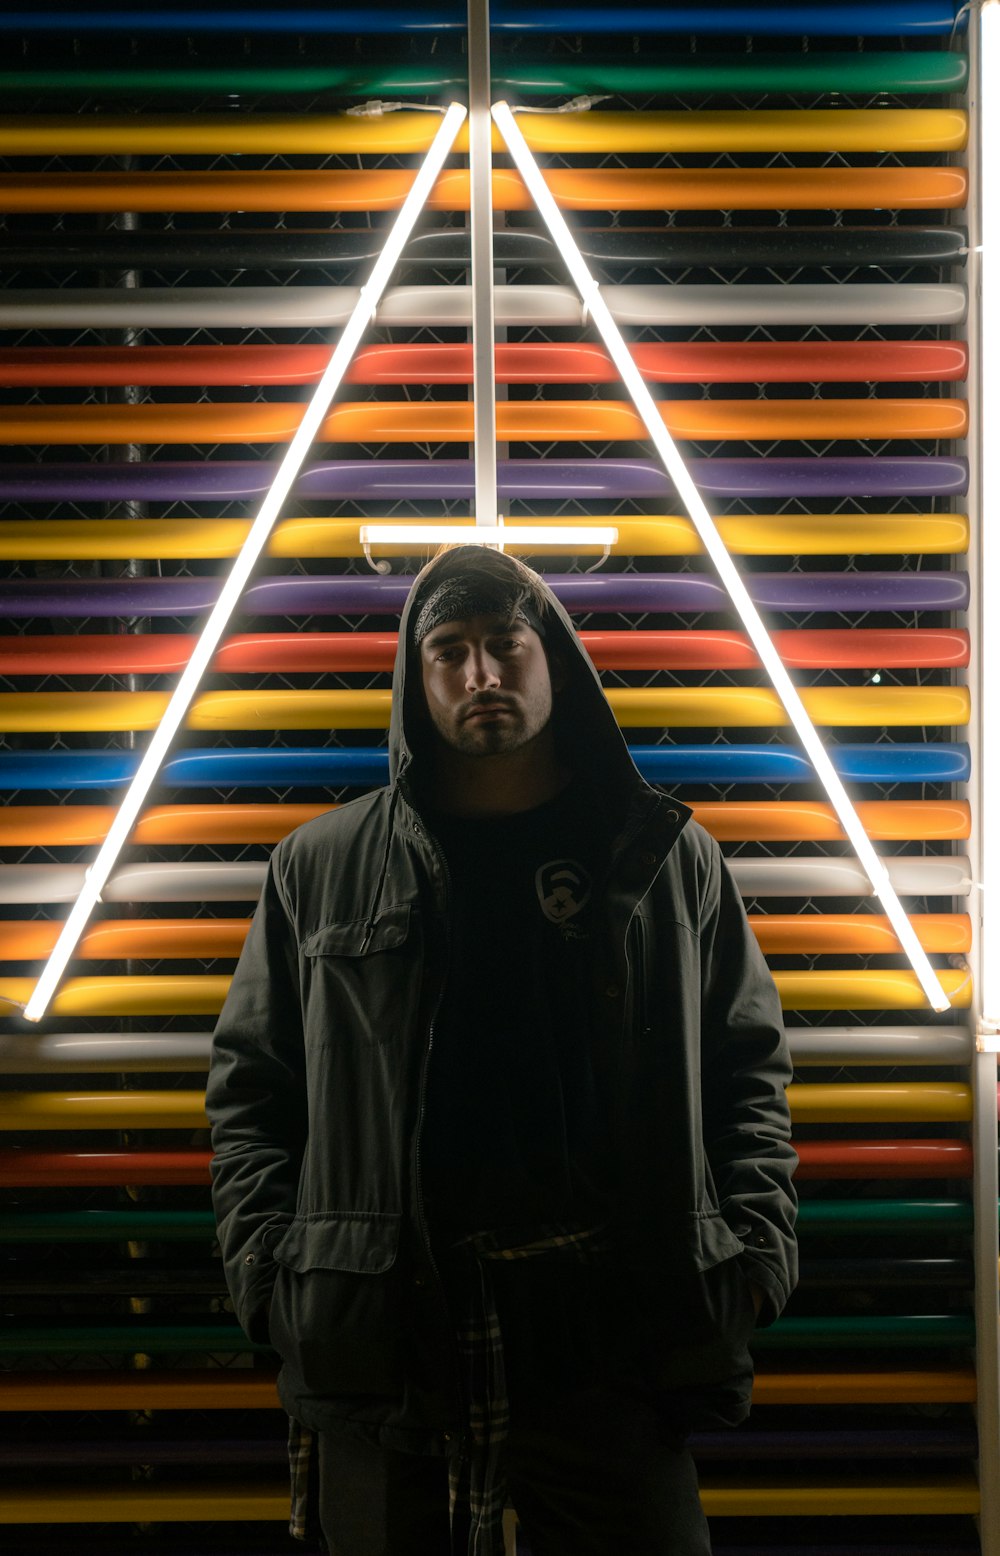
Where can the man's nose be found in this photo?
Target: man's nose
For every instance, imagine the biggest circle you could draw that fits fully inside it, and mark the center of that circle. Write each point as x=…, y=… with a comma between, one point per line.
x=483, y=673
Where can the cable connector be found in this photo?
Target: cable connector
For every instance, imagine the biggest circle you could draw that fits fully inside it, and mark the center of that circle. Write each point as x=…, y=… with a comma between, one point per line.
x=575, y=105
x=375, y=108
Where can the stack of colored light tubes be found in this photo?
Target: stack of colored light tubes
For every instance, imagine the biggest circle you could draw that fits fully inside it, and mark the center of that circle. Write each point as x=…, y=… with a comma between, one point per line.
x=774, y=199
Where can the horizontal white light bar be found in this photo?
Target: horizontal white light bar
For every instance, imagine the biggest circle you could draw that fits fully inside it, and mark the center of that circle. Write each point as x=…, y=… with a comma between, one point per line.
x=524, y=305
x=571, y=537
x=600, y=314
x=989, y=677
x=232, y=589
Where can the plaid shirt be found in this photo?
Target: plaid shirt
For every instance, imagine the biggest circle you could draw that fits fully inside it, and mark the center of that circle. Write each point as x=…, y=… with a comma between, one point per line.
x=477, y=1479
x=301, y=1443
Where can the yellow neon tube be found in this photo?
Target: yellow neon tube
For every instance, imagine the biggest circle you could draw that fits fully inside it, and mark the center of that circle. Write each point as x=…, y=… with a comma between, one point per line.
x=683, y=707
x=866, y=989
x=196, y=134
x=817, y=1102
x=765, y=534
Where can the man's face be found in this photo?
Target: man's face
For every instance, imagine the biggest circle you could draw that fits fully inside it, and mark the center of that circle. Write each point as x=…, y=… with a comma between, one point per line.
x=487, y=684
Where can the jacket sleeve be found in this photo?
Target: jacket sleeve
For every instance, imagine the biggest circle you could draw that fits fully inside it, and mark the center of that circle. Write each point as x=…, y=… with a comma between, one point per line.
x=745, y=1069
x=256, y=1102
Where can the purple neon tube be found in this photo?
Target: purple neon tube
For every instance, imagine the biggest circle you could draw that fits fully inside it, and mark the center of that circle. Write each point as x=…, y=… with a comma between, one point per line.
x=376, y=596
x=529, y=479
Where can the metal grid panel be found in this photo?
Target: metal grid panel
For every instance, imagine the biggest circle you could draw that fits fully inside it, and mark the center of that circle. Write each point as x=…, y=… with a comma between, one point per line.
x=255, y=49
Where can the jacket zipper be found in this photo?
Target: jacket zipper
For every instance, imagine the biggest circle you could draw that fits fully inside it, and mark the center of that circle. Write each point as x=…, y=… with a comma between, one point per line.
x=635, y=1026
x=638, y=971
x=422, y=1225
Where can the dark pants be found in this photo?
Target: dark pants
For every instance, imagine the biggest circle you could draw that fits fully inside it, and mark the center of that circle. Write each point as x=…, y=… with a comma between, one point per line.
x=590, y=1474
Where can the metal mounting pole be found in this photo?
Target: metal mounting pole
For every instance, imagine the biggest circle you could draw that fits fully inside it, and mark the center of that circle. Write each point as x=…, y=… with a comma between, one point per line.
x=481, y=219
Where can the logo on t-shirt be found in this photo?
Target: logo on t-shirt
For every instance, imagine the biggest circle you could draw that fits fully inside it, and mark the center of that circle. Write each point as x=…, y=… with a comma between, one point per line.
x=563, y=887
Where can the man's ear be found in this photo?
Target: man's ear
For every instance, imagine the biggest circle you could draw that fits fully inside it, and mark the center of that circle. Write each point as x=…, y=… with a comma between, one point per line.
x=558, y=673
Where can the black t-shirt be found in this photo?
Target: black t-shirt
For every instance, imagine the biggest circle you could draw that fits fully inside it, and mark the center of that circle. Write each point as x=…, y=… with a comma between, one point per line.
x=516, y=1130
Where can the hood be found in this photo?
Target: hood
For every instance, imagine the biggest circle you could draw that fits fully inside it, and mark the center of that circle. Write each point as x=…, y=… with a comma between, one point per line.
x=587, y=732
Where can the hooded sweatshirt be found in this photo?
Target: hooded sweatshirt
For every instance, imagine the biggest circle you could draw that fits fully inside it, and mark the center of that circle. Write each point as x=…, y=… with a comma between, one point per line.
x=319, y=1095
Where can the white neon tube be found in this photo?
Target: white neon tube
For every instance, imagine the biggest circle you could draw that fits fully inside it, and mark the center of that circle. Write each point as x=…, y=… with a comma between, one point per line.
x=215, y=626
x=989, y=690
x=572, y=536
x=598, y=311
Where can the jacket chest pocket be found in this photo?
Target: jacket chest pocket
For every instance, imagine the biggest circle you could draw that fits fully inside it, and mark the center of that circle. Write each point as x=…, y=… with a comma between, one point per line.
x=363, y=977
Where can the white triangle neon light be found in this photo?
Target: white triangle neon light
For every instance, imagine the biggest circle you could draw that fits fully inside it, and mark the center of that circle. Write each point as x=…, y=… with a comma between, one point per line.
x=596, y=308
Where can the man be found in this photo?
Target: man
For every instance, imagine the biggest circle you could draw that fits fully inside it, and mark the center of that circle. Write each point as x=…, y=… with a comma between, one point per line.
x=502, y=1165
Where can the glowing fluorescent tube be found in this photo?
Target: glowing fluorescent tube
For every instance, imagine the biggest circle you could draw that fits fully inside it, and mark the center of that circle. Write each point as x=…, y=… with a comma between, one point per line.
x=571, y=536
x=597, y=309
x=244, y=564
x=989, y=687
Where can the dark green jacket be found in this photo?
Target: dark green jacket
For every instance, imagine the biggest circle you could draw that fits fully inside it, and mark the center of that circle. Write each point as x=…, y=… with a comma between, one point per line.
x=318, y=1078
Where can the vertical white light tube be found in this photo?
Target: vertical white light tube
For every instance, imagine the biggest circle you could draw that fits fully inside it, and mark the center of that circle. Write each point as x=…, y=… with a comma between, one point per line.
x=989, y=526
x=983, y=158
x=598, y=311
x=982, y=218
x=215, y=626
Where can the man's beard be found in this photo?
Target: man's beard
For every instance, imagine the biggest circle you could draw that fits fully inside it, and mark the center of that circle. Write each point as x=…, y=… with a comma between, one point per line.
x=483, y=736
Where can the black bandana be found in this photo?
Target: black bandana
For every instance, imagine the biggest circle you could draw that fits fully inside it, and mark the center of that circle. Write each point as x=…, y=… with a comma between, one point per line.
x=458, y=599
